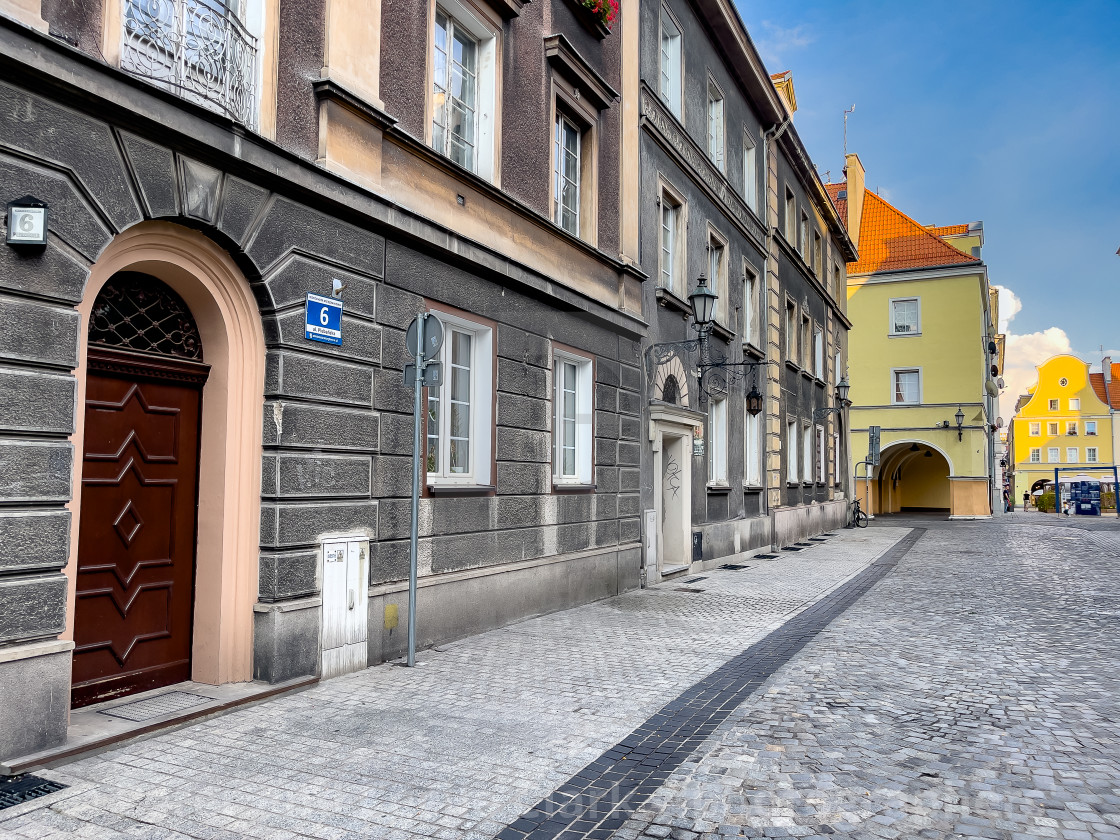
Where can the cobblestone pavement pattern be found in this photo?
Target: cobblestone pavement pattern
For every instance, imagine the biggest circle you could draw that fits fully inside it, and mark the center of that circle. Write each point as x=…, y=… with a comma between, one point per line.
x=456, y=748
x=972, y=693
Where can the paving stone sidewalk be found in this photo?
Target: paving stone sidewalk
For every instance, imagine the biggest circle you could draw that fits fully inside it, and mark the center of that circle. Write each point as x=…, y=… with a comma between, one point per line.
x=456, y=748
x=974, y=692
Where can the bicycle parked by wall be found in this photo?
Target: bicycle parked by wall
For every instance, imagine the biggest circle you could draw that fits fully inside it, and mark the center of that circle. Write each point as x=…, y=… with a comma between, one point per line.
x=859, y=518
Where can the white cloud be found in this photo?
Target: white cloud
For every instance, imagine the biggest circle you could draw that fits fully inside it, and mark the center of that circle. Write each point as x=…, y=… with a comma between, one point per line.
x=1024, y=352
x=774, y=41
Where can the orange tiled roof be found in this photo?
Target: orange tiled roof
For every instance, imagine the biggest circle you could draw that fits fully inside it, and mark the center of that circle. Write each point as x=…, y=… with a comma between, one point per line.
x=889, y=240
x=1097, y=381
x=947, y=230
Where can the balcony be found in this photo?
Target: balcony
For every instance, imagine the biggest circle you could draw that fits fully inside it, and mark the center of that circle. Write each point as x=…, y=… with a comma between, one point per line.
x=197, y=49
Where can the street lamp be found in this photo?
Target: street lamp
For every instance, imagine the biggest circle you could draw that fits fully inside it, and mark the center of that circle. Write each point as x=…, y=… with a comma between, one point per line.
x=754, y=401
x=842, y=388
x=960, y=423
x=703, y=302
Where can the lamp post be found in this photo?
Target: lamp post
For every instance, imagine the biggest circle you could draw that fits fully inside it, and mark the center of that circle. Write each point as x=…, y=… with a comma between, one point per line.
x=959, y=417
x=703, y=303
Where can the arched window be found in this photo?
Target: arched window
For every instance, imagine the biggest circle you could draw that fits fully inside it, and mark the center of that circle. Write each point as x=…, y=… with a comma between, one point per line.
x=138, y=312
x=670, y=391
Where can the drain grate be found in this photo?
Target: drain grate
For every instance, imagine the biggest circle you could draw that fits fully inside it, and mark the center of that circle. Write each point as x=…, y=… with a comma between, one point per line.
x=694, y=579
x=19, y=789
x=159, y=706
x=818, y=539
x=689, y=589
x=791, y=548
x=766, y=557
x=733, y=567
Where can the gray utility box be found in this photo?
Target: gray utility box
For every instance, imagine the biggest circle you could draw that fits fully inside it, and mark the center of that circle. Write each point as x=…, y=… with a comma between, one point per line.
x=345, y=605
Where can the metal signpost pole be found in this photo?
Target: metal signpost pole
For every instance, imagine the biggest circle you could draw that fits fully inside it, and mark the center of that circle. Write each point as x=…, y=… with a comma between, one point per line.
x=416, y=450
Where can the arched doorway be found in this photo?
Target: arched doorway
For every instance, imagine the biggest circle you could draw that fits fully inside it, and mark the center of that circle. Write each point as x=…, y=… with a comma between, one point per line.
x=136, y=536
x=230, y=332
x=913, y=477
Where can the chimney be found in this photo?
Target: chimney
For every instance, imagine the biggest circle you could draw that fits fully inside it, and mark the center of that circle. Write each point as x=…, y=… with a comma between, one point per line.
x=1106, y=368
x=855, y=174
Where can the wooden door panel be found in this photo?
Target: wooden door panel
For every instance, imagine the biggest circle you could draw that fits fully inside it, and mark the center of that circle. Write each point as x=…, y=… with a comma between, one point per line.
x=136, y=534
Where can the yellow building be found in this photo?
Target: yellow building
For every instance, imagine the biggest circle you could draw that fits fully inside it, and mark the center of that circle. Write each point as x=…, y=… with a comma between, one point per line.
x=1062, y=422
x=924, y=356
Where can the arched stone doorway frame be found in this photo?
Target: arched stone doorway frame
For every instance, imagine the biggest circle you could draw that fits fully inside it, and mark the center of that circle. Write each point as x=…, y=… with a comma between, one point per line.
x=895, y=456
x=229, y=324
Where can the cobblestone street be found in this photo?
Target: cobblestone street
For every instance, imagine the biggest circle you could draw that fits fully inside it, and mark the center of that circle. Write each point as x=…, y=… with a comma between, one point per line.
x=970, y=691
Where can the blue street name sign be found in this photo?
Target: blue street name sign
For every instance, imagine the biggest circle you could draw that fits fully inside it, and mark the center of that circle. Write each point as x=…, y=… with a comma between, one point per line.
x=324, y=319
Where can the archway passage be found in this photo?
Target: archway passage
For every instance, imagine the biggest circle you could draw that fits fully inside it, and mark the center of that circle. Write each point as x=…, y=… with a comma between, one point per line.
x=140, y=466
x=913, y=478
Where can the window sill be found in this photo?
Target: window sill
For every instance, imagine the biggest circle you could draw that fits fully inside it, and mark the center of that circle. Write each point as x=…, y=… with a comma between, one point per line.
x=670, y=300
x=820, y=383
x=808, y=375
x=461, y=489
x=793, y=484
x=904, y=335
x=752, y=488
x=792, y=365
x=750, y=349
x=562, y=488
x=718, y=489
x=720, y=331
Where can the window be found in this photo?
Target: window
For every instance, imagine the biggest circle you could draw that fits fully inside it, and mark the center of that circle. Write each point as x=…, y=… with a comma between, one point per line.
x=571, y=421
x=803, y=345
x=1036, y=429
x=1072, y=455
x=717, y=275
x=822, y=455
x=1053, y=455
x=672, y=242
x=204, y=51
x=715, y=125
x=791, y=452
x=791, y=219
x=817, y=255
x=565, y=174
x=753, y=447
x=463, y=90
x=670, y=63
x=1052, y=429
x=1075, y=404
x=907, y=387
x=818, y=353
x=750, y=307
x=836, y=458
x=1071, y=428
x=803, y=238
x=1090, y=454
x=717, y=442
x=837, y=367
x=905, y=316
x=1091, y=428
x=791, y=331
x=806, y=454
x=837, y=282
x=1036, y=456
x=750, y=173
x=1053, y=405
x=459, y=410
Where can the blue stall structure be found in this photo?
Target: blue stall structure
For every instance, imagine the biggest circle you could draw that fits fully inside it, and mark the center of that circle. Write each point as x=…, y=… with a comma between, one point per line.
x=1083, y=492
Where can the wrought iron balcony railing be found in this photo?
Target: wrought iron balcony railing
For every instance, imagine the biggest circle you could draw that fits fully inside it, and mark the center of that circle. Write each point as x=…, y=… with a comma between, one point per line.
x=195, y=48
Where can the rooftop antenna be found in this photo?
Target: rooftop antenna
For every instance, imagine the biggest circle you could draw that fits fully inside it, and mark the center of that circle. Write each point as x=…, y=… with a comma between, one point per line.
x=846, y=112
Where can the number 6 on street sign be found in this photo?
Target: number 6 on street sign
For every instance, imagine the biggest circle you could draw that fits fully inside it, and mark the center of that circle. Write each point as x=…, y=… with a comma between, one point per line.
x=323, y=319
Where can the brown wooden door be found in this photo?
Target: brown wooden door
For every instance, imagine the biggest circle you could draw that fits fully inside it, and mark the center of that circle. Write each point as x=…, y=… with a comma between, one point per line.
x=136, y=543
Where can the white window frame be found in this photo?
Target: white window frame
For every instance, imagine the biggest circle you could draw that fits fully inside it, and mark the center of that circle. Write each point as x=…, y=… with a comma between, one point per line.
x=791, y=219
x=566, y=218
x=803, y=237
x=1091, y=455
x=750, y=171
x=1052, y=428
x=1053, y=455
x=791, y=452
x=584, y=390
x=717, y=132
x=717, y=442
x=818, y=351
x=1035, y=429
x=1073, y=455
x=836, y=458
x=806, y=454
x=818, y=256
x=1090, y=428
x=1075, y=404
x=1053, y=404
x=793, y=327
x=894, y=385
x=1071, y=428
x=717, y=272
x=673, y=253
x=481, y=402
x=917, y=301
x=752, y=449
x=671, y=72
x=805, y=340
x=1036, y=456
x=822, y=456
x=486, y=75
x=750, y=305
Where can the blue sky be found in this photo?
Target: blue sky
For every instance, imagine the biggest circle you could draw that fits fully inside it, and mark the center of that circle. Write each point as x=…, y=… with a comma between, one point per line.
x=1003, y=112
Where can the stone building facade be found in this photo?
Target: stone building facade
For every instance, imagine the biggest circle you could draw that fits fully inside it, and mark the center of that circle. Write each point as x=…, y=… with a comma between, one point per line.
x=727, y=192
x=207, y=168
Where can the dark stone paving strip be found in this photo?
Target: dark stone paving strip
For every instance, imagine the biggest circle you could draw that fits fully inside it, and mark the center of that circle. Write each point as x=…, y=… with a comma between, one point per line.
x=598, y=800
